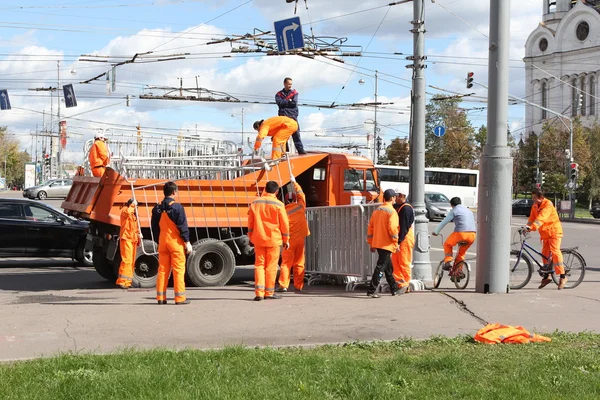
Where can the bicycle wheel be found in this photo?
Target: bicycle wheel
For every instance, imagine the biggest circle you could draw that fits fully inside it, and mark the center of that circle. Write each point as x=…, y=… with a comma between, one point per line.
x=464, y=268
x=439, y=274
x=520, y=270
x=574, y=269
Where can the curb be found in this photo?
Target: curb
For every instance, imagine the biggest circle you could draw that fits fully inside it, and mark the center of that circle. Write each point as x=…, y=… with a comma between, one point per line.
x=589, y=221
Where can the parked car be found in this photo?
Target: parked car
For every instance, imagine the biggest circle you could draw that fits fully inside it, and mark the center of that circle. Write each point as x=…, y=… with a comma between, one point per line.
x=522, y=207
x=437, y=205
x=595, y=210
x=52, y=188
x=32, y=229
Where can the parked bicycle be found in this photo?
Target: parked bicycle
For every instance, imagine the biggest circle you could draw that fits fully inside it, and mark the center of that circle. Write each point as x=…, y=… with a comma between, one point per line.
x=521, y=267
x=459, y=273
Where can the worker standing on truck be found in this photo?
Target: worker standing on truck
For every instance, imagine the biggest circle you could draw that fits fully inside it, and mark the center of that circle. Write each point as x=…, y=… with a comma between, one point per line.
x=279, y=128
x=402, y=259
x=99, y=156
x=170, y=227
x=129, y=239
x=287, y=101
x=382, y=236
x=293, y=258
x=268, y=230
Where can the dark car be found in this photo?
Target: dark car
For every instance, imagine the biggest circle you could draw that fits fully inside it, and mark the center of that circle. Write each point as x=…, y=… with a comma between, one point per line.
x=595, y=210
x=522, y=207
x=33, y=229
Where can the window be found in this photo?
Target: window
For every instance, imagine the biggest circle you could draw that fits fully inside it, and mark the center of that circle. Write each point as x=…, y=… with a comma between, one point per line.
x=353, y=180
x=592, y=95
x=543, y=44
x=574, y=98
x=551, y=6
x=544, y=99
x=319, y=174
x=35, y=213
x=583, y=97
x=469, y=180
x=371, y=184
x=437, y=198
x=389, y=175
x=582, y=31
x=10, y=211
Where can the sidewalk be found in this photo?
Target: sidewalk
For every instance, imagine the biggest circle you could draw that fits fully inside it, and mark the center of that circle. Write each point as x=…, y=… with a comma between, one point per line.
x=102, y=320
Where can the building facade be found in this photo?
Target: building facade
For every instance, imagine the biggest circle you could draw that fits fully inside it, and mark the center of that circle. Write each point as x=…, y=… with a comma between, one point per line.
x=562, y=63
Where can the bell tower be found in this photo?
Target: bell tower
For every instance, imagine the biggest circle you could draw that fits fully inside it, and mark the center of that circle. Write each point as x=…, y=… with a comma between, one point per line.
x=554, y=10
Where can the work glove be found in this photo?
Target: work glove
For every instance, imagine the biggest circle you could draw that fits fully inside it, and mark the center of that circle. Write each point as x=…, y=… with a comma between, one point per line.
x=188, y=248
x=286, y=246
x=293, y=179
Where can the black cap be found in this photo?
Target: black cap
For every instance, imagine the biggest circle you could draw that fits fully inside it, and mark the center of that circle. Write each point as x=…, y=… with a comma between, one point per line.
x=257, y=124
x=388, y=194
x=129, y=201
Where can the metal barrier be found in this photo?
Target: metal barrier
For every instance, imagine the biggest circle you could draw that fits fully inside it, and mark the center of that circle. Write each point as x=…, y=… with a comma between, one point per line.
x=337, y=247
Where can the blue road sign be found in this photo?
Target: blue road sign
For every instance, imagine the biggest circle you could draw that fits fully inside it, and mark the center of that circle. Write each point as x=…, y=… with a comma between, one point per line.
x=70, y=99
x=289, y=34
x=439, y=131
x=4, y=100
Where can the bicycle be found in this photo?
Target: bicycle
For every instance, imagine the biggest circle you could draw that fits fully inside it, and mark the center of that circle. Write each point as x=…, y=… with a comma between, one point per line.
x=459, y=273
x=522, y=270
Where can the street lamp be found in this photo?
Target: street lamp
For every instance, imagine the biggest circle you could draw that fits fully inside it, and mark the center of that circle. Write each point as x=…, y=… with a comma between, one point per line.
x=361, y=81
x=233, y=116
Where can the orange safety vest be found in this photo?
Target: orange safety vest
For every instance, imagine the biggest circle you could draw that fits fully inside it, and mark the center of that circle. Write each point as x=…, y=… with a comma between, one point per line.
x=268, y=223
x=98, y=154
x=498, y=333
x=297, y=215
x=169, y=233
x=129, y=227
x=383, y=228
x=545, y=220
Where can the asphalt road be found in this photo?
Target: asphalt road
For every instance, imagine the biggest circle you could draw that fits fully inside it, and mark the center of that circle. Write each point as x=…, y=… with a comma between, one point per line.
x=49, y=306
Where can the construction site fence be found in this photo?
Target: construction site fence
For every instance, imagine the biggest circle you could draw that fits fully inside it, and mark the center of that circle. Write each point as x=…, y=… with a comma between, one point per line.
x=337, y=249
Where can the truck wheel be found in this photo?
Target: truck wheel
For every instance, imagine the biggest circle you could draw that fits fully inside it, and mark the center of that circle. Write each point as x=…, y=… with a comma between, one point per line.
x=145, y=268
x=211, y=264
x=102, y=265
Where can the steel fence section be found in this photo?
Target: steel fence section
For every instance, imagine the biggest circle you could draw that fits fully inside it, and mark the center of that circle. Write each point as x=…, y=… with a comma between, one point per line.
x=337, y=245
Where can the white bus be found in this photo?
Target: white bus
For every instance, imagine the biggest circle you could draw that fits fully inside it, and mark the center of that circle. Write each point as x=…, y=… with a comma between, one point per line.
x=453, y=182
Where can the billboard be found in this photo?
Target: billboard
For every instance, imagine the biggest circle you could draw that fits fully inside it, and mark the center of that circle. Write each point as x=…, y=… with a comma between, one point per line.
x=30, y=175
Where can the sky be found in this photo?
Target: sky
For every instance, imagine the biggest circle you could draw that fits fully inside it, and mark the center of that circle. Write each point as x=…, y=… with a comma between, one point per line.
x=88, y=36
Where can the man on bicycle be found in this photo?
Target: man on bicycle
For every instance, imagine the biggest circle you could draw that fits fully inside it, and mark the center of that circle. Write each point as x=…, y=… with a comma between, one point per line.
x=544, y=219
x=464, y=232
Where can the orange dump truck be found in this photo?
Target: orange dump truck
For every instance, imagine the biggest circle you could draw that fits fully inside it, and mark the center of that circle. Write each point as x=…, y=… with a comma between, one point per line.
x=216, y=209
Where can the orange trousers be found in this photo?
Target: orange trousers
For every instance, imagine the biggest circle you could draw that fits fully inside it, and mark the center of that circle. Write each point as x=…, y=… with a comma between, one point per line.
x=552, y=245
x=98, y=172
x=265, y=270
x=453, y=240
x=279, y=141
x=401, y=260
x=127, y=249
x=293, y=258
x=171, y=258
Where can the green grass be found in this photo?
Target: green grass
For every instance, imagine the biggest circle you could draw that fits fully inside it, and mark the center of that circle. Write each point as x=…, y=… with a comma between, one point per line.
x=438, y=368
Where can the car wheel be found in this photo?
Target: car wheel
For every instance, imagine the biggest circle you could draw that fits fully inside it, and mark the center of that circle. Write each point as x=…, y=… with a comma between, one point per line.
x=83, y=256
x=42, y=195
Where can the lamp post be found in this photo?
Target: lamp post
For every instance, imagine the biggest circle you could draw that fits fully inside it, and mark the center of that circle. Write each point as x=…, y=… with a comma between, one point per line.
x=233, y=115
x=361, y=81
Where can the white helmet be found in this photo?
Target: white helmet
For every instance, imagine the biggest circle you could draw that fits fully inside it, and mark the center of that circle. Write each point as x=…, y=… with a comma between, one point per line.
x=100, y=135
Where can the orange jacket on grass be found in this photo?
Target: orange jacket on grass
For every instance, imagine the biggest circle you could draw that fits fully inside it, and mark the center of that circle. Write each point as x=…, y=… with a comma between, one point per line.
x=297, y=215
x=544, y=219
x=99, y=156
x=498, y=333
x=268, y=224
x=383, y=228
x=129, y=226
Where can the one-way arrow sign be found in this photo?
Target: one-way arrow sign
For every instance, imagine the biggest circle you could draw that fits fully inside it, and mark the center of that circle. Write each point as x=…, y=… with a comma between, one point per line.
x=4, y=100
x=289, y=34
x=70, y=99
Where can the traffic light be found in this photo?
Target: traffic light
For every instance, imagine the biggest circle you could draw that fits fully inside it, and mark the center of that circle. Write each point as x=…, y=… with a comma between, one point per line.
x=580, y=102
x=470, y=79
x=574, y=172
x=47, y=160
x=542, y=178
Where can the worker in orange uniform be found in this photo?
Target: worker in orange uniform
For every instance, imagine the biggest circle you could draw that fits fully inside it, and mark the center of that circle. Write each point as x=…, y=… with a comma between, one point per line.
x=382, y=236
x=293, y=258
x=464, y=233
x=170, y=227
x=544, y=219
x=129, y=239
x=279, y=128
x=99, y=156
x=402, y=259
x=268, y=230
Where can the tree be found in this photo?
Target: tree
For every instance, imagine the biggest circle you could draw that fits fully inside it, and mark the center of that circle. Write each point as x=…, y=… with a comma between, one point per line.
x=15, y=159
x=397, y=152
x=456, y=148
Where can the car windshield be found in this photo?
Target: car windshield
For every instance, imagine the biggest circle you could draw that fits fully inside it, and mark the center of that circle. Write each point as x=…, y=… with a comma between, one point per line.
x=437, y=198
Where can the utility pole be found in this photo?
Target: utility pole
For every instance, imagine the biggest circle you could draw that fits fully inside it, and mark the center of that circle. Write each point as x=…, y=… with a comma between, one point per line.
x=375, y=158
x=421, y=261
x=537, y=160
x=494, y=212
x=58, y=154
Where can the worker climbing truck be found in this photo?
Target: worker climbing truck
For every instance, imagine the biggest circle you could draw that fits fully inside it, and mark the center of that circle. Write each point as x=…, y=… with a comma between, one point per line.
x=216, y=184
